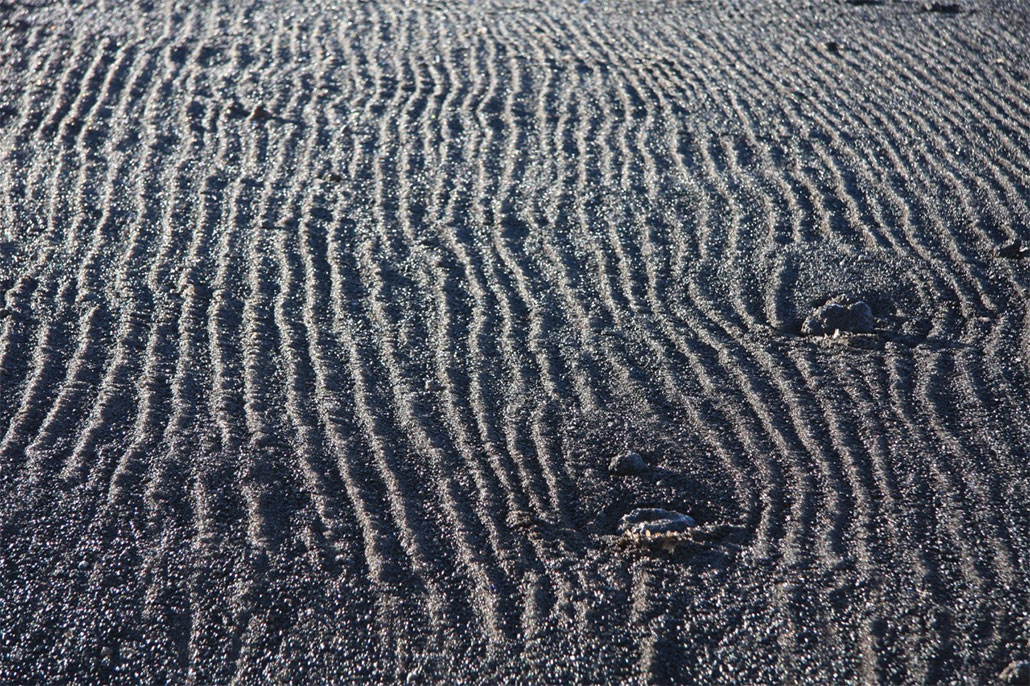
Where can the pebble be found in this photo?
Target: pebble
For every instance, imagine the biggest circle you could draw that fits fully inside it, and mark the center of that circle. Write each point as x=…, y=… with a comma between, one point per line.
x=259, y=113
x=627, y=464
x=654, y=520
x=843, y=313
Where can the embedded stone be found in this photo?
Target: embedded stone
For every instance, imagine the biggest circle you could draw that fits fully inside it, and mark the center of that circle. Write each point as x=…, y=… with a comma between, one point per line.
x=843, y=313
x=627, y=464
x=654, y=520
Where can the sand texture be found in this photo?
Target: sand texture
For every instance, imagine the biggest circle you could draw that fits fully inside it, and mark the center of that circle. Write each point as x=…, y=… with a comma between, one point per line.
x=323, y=323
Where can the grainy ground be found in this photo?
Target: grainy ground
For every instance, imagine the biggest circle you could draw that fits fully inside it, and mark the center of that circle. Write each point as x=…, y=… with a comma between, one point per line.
x=321, y=323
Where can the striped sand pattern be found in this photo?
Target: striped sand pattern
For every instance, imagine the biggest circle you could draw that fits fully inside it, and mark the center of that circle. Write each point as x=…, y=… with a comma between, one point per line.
x=321, y=323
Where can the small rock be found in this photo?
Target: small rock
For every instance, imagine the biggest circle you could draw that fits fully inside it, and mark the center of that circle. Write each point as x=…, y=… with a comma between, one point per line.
x=942, y=7
x=1017, y=672
x=654, y=520
x=1014, y=250
x=260, y=113
x=833, y=47
x=627, y=464
x=842, y=313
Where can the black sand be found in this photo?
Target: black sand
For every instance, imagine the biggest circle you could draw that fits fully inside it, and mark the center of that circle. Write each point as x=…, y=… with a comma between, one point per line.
x=322, y=323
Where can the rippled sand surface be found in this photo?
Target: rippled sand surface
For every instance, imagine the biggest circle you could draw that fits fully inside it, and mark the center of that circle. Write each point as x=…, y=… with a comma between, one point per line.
x=322, y=322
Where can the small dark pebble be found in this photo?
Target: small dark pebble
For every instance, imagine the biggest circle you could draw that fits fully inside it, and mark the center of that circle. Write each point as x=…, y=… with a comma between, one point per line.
x=1017, y=672
x=842, y=313
x=942, y=7
x=859, y=3
x=260, y=113
x=627, y=464
x=832, y=46
x=1014, y=250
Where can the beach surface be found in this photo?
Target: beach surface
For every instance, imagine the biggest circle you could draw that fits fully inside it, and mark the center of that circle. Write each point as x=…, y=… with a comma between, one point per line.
x=321, y=325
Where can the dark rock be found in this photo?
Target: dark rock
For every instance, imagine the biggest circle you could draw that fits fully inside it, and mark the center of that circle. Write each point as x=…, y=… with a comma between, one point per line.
x=260, y=114
x=1014, y=250
x=654, y=520
x=1017, y=672
x=842, y=313
x=627, y=464
x=859, y=3
x=942, y=7
x=832, y=46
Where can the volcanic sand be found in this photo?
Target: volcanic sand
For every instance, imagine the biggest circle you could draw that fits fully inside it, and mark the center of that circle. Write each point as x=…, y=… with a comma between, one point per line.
x=322, y=322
